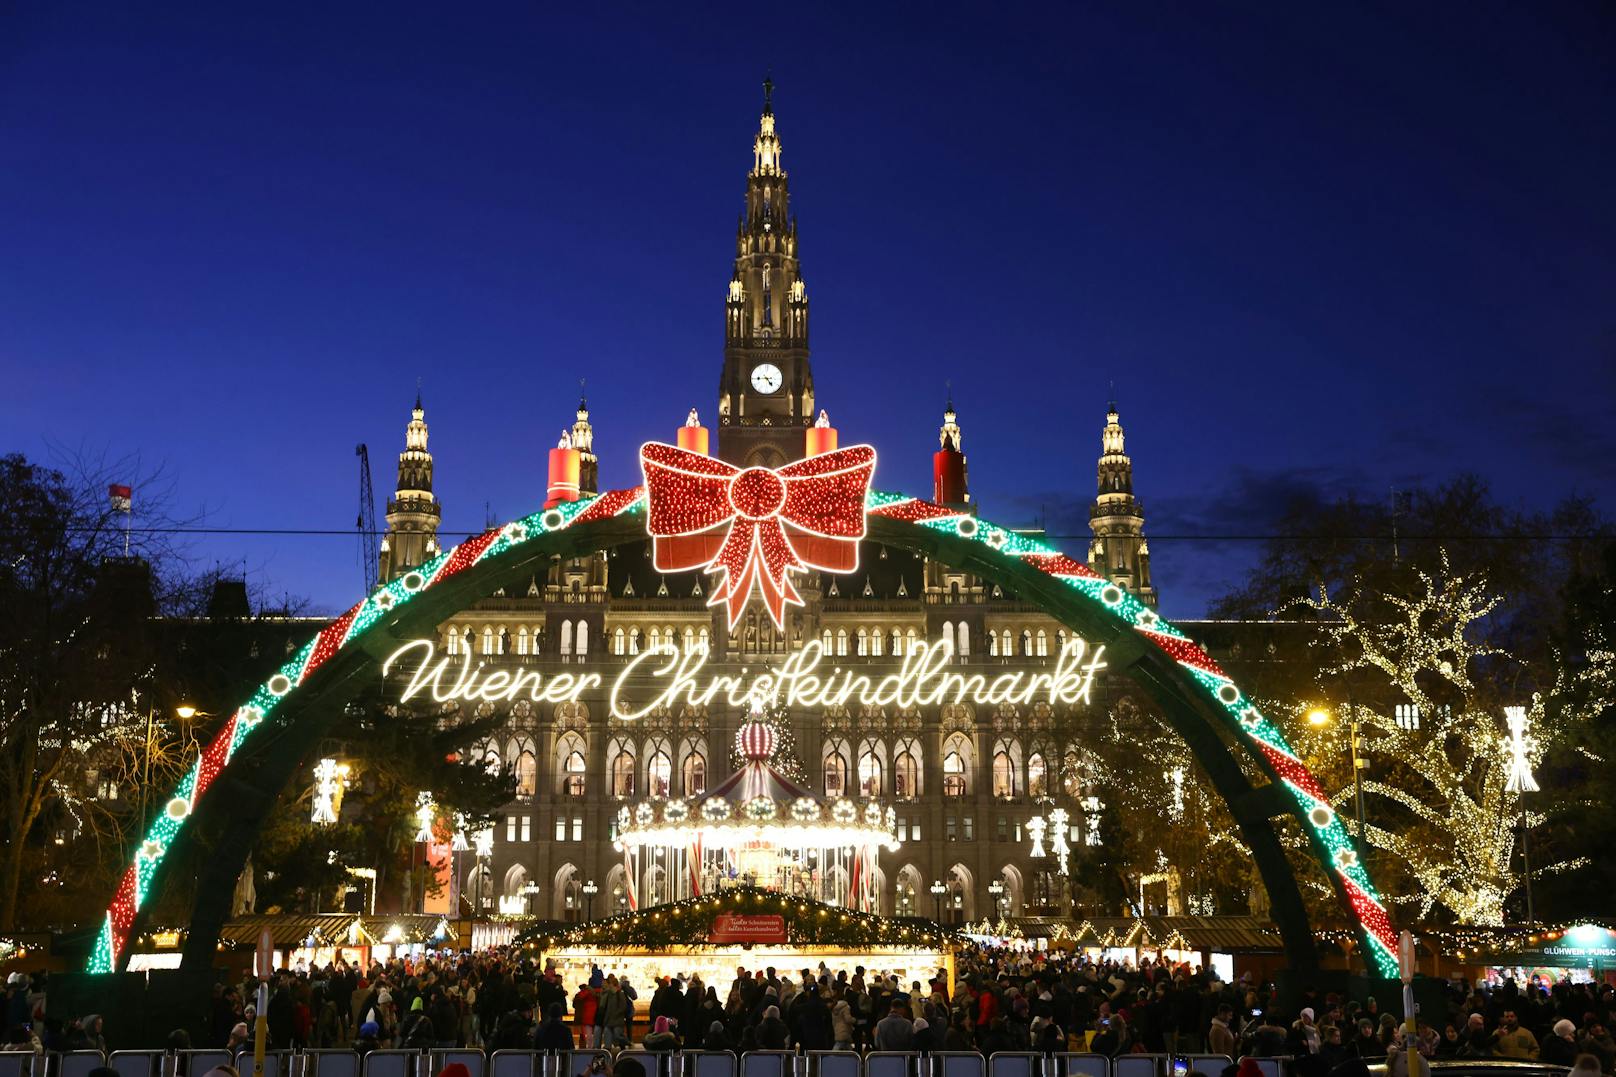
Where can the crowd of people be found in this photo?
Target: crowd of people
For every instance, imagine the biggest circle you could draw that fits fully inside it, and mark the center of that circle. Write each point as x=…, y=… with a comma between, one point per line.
x=999, y=1001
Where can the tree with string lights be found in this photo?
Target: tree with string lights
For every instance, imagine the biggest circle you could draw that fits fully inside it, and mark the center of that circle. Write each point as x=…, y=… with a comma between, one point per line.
x=1414, y=676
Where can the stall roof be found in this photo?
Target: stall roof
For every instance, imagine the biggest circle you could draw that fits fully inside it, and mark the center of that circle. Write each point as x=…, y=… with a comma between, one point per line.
x=333, y=928
x=1228, y=933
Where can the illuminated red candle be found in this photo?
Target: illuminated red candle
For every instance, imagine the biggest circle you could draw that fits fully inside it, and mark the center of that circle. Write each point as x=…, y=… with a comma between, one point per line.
x=565, y=466
x=821, y=436
x=692, y=435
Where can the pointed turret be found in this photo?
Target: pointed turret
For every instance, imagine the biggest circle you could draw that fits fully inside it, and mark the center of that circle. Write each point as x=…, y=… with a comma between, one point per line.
x=1119, y=551
x=949, y=485
x=412, y=512
x=583, y=439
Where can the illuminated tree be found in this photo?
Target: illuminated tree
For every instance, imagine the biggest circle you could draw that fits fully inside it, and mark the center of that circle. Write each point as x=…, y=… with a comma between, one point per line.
x=1427, y=692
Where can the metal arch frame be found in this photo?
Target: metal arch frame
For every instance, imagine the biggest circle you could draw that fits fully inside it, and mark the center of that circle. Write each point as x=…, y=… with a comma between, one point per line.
x=1198, y=700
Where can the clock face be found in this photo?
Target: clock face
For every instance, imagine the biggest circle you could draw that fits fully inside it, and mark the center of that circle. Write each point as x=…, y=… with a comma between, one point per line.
x=766, y=378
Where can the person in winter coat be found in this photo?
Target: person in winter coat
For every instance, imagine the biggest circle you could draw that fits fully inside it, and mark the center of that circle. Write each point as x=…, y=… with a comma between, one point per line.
x=717, y=1039
x=772, y=1033
x=584, y=1006
x=1560, y=1049
x=843, y=1025
x=661, y=1038
x=612, y=1015
x=553, y=1035
x=811, y=1022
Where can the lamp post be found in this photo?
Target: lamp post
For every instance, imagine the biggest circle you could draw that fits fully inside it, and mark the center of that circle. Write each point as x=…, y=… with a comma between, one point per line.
x=590, y=890
x=529, y=891
x=937, y=889
x=996, y=888
x=1521, y=781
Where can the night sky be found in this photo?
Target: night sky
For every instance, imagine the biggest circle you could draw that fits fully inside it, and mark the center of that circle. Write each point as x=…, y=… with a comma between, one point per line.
x=1313, y=250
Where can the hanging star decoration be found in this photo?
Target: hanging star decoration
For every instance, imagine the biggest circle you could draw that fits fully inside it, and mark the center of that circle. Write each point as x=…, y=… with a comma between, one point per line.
x=755, y=525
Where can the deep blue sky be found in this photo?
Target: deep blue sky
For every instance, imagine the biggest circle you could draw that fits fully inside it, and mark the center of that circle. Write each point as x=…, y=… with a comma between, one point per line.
x=1348, y=248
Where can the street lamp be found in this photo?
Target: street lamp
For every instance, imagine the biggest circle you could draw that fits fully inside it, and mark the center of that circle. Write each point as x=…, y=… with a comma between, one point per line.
x=1521, y=781
x=590, y=890
x=1318, y=717
x=937, y=889
x=996, y=888
x=529, y=890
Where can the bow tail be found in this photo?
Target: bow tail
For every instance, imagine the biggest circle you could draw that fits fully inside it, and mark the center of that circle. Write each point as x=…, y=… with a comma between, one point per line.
x=755, y=552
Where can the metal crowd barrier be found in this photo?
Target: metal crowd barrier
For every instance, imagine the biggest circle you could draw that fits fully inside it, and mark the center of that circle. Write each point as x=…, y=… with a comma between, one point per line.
x=398, y=1062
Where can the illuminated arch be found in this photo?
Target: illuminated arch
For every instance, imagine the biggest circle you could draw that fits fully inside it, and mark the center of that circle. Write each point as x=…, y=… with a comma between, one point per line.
x=300, y=702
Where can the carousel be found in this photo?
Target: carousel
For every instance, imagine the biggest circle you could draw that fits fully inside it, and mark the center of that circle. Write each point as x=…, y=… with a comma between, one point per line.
x=758, y=830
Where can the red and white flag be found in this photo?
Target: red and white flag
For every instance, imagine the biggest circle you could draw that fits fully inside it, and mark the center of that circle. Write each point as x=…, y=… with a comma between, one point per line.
x=122, y=497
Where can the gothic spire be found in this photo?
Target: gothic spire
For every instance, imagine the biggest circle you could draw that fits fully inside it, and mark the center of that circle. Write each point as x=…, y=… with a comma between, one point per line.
x=1117, y=519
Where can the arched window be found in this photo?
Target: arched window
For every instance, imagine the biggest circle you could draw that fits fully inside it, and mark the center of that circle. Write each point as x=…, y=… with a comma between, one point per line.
x=869, y=773
x=836, y=768
x=623, y=774
x=1060, y=641
x=1007, y=645
x=690, y=640
x=1043, y=644
x=574, y=768
x=488, y=640
x=453, y=641
x=702, y=640
x=634, y=641
x=566, y=637
x=876, y=638
x=527, y=773
x=841, y=642
x=695, y=774
x=953, y=775
x=653, y=639
x=521, y=639
x=502, y=641
x=465, y=641
x=619, y=642
x=1026, y=643
x=659, y=773
x=828, y=641
x=1037, y=776
x=863, y=641
x=962, y=640
x=905, y=776
x=583, y=638
x=896, y=648
x=1004, y=774
x=993, y=643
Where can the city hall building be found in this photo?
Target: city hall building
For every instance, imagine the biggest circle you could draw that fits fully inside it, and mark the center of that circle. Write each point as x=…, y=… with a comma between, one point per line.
x=962, y=779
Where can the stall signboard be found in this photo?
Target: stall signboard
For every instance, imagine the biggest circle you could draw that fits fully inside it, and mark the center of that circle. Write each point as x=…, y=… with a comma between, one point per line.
x=733, y=927
x=1585, y=946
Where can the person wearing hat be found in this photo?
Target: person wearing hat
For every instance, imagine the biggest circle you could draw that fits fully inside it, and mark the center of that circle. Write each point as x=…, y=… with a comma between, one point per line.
x=661, y=1039
x=369, y=1038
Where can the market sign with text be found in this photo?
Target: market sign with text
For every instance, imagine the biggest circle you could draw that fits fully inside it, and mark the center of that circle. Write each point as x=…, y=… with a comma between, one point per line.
x=738, y=927
x=670, y=676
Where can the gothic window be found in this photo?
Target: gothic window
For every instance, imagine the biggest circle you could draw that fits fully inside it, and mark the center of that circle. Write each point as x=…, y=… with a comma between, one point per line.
x=634, y=641
x=836, y=768
x=1037, y=776
x=953, y=773
x=527, y=774
x=701, y=639
x=583, y=638
x=906, y=772
x=993, y=643
x=659, y=773
x=841, y=642
x=465, y=641
x=863, y=642
x=521, y=639
x=1007, y=645
x=574, y=768
x=566, y=637
x=896, y=649
x=653, y=639
x=488, y=640
x=1004, y=774
x=962, y=639
x=1026, y=643
x=623, y=774
x=619, y=642
x=695, y=774
x=828, y=641
x=453, y=641
x=690, y=639
x=869, y=774
x=503, y=640
x=1060, y=641
x=1043, y=644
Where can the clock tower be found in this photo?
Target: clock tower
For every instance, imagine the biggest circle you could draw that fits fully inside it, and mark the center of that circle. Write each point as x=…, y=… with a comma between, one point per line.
x=766, y=394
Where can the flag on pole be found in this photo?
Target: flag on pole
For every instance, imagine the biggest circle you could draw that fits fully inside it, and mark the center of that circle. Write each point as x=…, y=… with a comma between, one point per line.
x=122, y=497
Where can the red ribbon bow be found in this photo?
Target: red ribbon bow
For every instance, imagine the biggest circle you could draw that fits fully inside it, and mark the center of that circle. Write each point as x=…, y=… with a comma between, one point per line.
x=755, y=524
